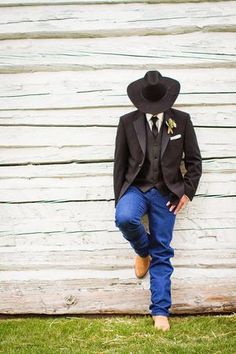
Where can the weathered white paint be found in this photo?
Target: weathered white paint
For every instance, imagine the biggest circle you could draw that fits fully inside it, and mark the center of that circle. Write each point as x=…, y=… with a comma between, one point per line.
x=92, y=181
x=204, y=50
x=79, y=2
x=99, y=88
x=202, y=116
x=74, y=291
x=78, y=143
x=115, y=19
x=60, y=100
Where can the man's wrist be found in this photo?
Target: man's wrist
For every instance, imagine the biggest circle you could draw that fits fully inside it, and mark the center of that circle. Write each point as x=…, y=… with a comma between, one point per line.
x=187, y=197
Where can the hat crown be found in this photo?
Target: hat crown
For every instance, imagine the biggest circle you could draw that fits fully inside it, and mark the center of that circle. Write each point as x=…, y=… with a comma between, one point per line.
x=152, y=77
x=153, y=89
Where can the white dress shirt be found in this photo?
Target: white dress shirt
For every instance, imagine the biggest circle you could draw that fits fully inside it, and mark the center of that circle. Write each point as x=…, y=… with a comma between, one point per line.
x=159, y=121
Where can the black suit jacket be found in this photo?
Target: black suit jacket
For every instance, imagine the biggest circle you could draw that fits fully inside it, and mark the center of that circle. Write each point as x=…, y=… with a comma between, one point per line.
x=129, y=155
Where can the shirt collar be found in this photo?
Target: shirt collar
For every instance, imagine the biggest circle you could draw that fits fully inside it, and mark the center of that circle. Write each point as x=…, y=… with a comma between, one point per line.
x=160, y=116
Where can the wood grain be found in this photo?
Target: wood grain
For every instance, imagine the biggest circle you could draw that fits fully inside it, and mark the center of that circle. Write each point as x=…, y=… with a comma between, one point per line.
x=103, y=20
x=186, y=50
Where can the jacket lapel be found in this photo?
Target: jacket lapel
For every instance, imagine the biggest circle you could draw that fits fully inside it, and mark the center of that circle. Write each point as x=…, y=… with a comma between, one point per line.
x=165, y=136
x=139, y=125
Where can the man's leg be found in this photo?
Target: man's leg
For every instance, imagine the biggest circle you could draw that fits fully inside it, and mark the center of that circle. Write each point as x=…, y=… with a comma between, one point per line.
x=129, y=211
x=161, y=224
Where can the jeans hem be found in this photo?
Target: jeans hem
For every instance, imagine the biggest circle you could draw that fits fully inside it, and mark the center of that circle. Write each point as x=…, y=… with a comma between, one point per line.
x=143, y=256
x=160, y=313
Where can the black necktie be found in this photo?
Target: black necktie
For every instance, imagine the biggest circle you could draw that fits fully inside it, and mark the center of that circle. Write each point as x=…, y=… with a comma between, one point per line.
x=154, y=127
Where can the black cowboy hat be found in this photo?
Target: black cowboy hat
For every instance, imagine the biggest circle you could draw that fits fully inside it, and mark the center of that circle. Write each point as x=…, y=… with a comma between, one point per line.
x=153, y=93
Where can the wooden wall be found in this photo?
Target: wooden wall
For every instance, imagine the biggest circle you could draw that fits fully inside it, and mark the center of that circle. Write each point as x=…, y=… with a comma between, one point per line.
x=64, y=69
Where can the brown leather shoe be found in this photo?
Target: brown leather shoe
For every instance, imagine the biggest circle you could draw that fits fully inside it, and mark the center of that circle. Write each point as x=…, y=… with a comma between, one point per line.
x=141, y=266
x=161, y=322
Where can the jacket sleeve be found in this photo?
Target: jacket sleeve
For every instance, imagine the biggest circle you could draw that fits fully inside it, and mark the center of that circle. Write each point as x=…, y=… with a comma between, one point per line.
x=120, y=159
x=192, y=160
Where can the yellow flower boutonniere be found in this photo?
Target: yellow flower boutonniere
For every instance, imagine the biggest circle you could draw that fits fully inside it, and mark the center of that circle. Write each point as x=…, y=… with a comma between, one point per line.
x=171, y=124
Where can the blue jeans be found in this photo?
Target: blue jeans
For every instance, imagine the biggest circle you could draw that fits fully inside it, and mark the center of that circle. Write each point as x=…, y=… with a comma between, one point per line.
x=129, y=210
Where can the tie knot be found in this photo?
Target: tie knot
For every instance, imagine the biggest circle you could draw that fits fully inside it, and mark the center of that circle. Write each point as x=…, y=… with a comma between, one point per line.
x=154, y=119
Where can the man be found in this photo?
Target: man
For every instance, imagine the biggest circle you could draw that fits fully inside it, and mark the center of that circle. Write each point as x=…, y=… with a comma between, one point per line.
x=150, y=144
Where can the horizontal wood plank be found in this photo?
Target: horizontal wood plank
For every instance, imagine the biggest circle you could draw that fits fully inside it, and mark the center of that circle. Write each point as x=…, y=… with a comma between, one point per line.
x=75, y=291
x=192, y=50
x=208, y=235
x=202, y=116
x=106, y=88
x=68, y=182
x=57, y=144
x=204, y=216
x=115, y=20
x=219, y=167
x=106, y=259
x=84, y=2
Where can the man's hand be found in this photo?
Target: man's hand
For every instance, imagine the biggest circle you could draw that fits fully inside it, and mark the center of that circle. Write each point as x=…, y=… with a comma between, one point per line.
x=183, y=201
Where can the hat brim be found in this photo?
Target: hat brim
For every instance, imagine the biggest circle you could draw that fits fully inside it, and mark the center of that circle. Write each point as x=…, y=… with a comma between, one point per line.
x=134, y=91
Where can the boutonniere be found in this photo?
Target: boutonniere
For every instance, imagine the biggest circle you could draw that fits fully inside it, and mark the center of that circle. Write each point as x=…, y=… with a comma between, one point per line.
x=171, y=124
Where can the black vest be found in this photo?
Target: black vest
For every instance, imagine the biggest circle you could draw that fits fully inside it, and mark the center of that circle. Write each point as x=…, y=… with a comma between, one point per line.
x=150, y=175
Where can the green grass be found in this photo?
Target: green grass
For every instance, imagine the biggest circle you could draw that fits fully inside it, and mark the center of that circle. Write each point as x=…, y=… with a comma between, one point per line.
x=118, y=334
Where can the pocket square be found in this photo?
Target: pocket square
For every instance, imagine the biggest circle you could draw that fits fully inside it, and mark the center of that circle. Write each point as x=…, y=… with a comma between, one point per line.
x=175, y=137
